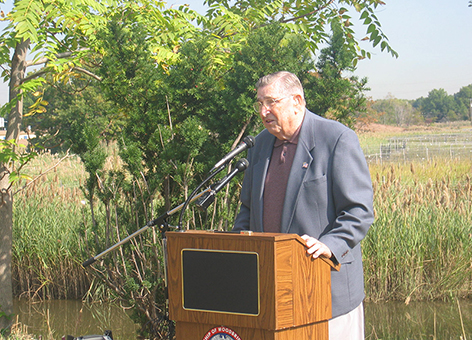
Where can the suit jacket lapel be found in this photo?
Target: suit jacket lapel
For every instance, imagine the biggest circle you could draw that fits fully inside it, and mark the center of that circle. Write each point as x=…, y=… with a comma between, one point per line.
x=301, y=163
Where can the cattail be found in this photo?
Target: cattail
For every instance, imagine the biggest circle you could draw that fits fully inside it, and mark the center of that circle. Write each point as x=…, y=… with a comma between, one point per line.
x=445, y=199
x=418, y=198
x=430, y=184
x=454, y=196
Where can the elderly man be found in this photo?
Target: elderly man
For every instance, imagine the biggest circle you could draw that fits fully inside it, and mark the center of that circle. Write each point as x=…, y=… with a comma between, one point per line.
x=308, y=176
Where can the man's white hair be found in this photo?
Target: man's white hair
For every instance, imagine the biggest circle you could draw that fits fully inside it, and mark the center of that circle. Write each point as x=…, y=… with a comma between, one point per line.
x=289, y=82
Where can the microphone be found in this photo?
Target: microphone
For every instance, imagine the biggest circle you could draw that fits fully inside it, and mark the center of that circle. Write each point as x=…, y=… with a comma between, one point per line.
x=208, y=199
x=247, y=143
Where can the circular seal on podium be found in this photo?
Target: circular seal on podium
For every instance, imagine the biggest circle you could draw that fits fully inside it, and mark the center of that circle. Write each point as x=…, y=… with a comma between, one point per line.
x=221, y=333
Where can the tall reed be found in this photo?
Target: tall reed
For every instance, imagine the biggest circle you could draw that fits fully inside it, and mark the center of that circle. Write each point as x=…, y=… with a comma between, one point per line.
x=420, y=246
x=48, y=228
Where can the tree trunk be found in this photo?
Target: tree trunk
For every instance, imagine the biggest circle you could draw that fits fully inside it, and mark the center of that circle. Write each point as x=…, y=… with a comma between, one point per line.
x=18, y=68
x=6, y=222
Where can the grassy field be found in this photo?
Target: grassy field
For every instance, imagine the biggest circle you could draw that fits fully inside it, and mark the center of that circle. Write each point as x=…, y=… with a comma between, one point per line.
x=402, y=145
x=419, y=248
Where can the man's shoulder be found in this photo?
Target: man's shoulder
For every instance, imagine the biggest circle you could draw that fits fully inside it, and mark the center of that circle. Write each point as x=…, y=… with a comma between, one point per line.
x=324, y=125
x=315, y=118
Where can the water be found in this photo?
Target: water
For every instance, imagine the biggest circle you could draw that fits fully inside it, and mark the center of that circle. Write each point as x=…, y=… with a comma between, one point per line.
x=386, y=321
x=419, y=320
x=53, y=319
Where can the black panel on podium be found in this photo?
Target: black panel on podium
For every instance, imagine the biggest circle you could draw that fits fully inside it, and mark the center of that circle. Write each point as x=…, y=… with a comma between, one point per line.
x=220, y=281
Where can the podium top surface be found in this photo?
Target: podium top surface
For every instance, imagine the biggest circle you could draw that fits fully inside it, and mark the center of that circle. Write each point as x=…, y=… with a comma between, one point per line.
x=245, y=233
x=274, y=237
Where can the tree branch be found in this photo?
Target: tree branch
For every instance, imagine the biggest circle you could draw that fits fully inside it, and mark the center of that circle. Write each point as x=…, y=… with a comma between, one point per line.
x=43, y=71
x=87, y=72
x=44, y=60
x=283, y=21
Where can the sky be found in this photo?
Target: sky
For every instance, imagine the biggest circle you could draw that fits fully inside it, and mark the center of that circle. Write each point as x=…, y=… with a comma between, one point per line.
x=432, y=37
x=434, y=41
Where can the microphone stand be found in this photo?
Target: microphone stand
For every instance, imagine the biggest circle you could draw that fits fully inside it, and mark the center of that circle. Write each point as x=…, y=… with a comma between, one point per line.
x=163, y=226
x=161, y=222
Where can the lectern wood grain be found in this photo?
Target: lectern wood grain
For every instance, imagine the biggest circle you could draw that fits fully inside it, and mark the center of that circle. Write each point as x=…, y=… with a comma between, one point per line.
x=295, y=293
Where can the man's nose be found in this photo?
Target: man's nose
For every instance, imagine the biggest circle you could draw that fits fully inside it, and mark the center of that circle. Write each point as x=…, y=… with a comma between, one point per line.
x=264, y=111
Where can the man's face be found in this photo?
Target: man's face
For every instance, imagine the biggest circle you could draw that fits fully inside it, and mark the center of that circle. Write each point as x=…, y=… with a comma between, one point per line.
x=277, y=111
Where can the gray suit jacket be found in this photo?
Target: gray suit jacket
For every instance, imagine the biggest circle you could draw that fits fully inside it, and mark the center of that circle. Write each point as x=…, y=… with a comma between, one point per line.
x=329, y=196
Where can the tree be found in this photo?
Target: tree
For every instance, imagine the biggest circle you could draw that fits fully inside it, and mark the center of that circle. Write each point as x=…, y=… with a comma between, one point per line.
x=393, y=111
x=331, y=92
x=60, y=35
x=439, y=106
x=79, y=100
x=463, y=99
x=53, y=32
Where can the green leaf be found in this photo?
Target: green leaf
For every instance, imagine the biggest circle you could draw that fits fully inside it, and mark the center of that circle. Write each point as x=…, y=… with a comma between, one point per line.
x=377, y=41
x=374, y=35
x=383, y=45
x=371, y=28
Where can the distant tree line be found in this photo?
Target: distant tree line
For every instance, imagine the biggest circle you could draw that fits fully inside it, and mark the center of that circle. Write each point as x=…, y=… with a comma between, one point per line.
x=437, y=107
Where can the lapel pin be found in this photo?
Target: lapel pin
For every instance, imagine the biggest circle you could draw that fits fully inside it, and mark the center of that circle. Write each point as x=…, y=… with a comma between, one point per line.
x=305, y=165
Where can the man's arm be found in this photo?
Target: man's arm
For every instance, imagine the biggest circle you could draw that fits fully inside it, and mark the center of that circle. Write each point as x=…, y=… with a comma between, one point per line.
x=353, y=200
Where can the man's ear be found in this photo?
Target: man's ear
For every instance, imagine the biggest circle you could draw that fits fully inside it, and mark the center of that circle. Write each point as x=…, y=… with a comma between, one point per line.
x=299, y=100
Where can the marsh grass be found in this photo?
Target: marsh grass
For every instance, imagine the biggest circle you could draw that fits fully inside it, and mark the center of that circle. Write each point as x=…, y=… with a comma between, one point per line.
x=49, y=218
x=19, y=331
x=420, y=246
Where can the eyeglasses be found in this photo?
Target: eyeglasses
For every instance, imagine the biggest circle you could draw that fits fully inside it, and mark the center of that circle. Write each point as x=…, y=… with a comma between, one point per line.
x=268, y=103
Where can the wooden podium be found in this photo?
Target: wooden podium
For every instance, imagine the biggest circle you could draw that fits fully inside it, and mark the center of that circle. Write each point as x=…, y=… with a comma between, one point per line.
x=246, y=286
